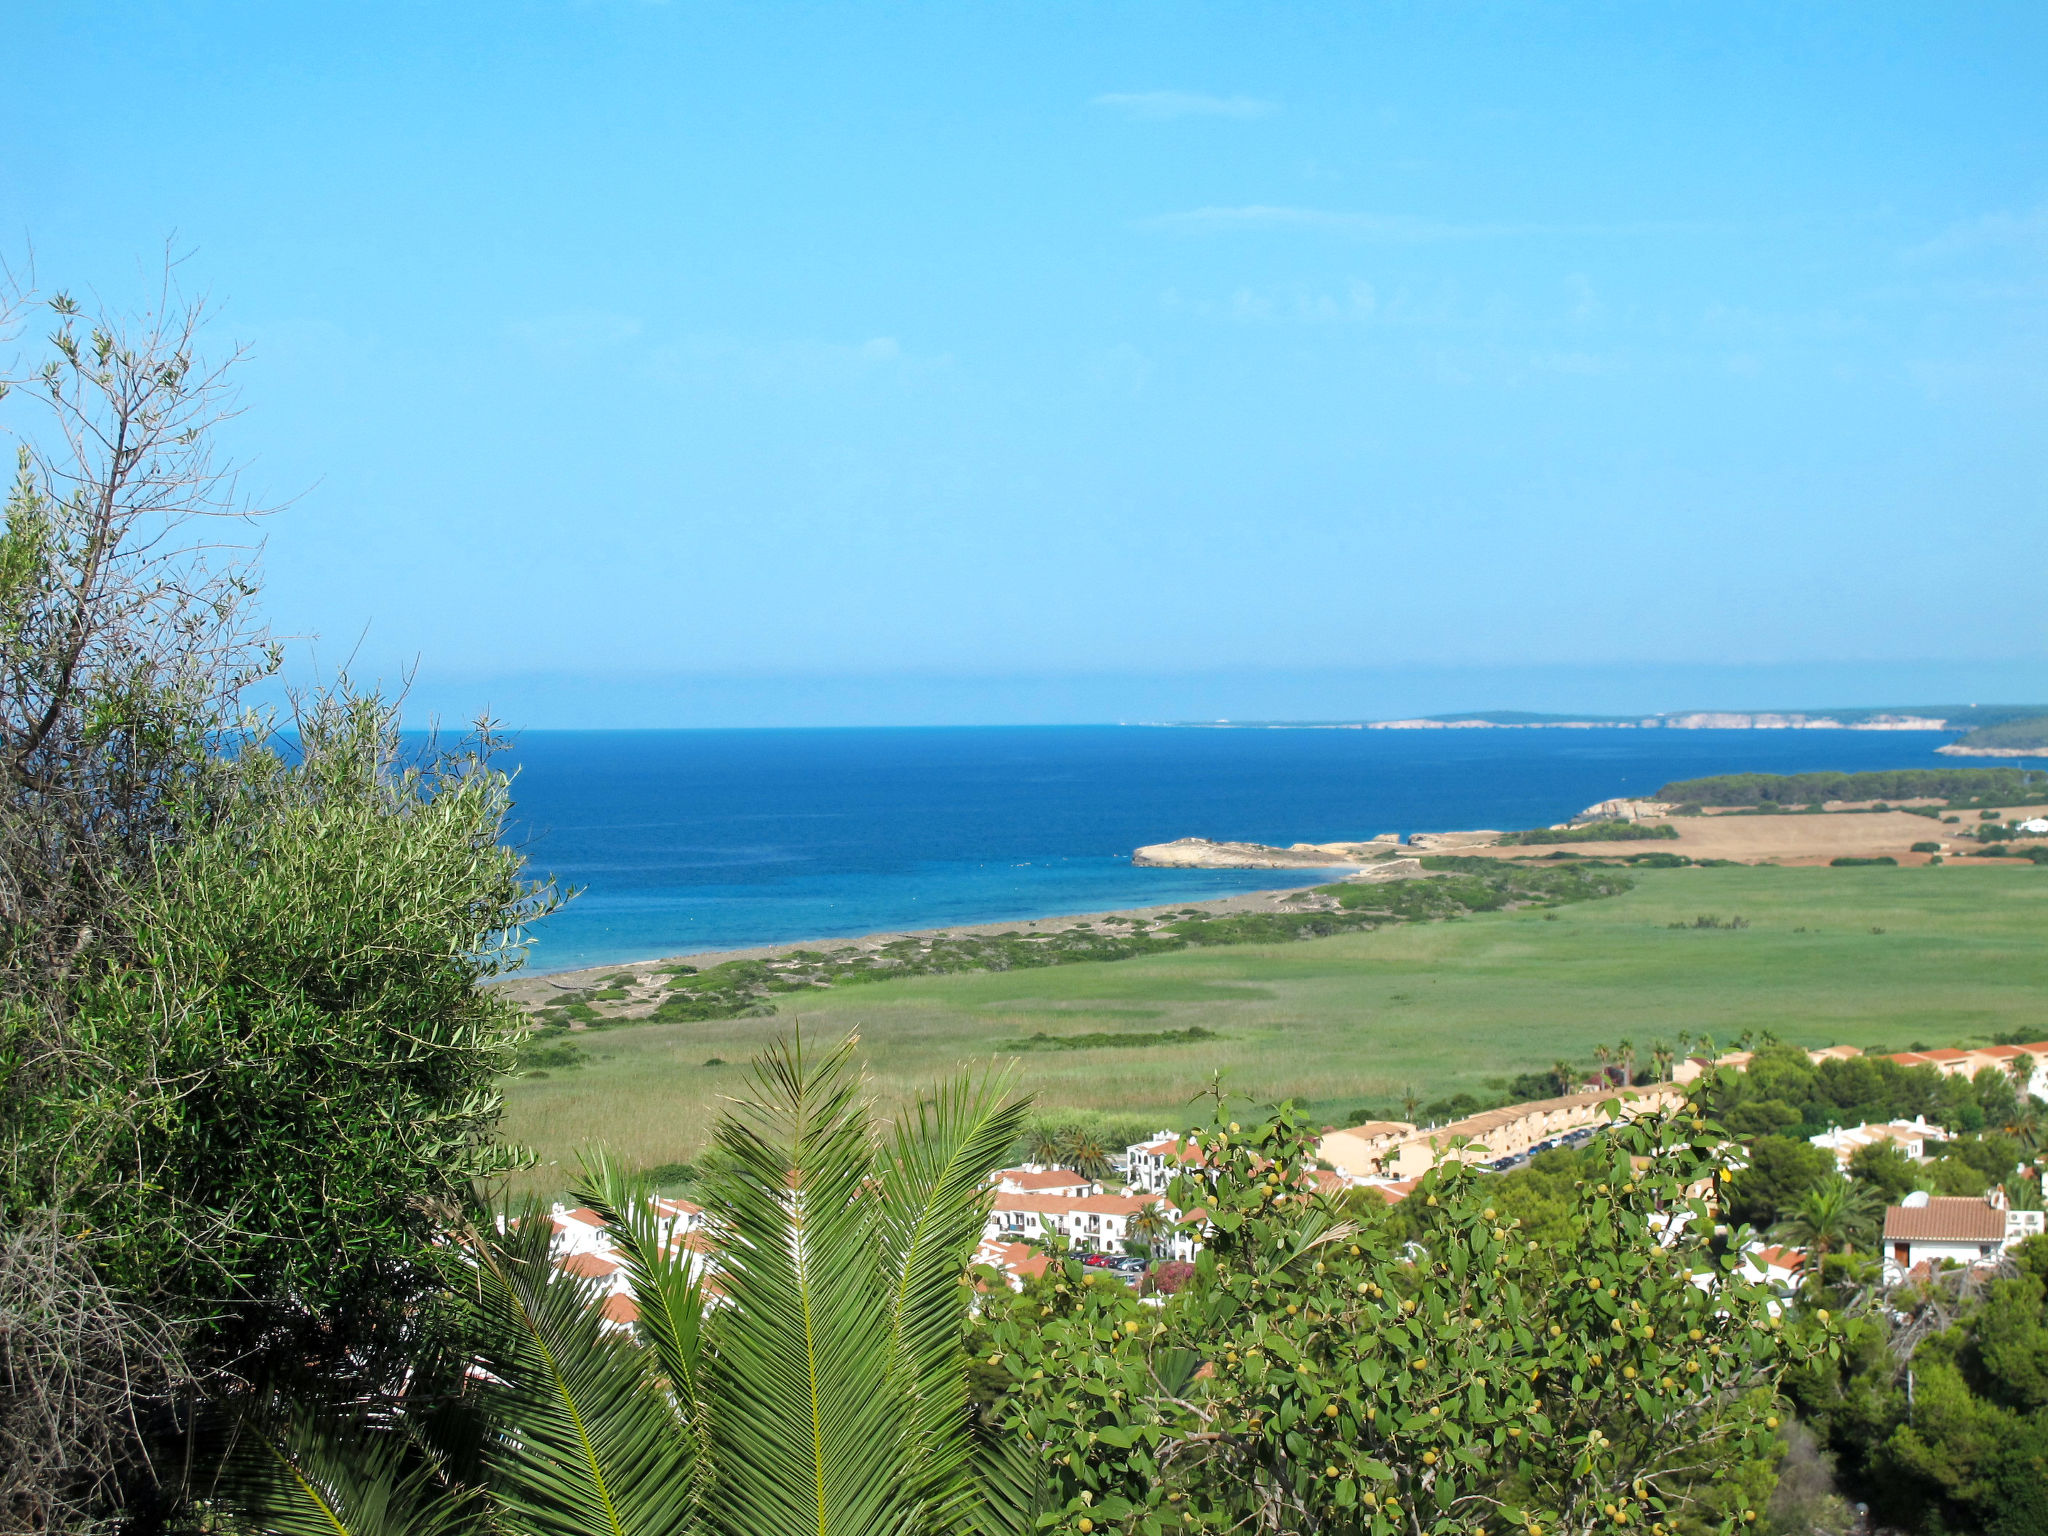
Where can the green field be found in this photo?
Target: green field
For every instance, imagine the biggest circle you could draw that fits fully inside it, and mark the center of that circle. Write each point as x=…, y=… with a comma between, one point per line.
x=1441, y=1007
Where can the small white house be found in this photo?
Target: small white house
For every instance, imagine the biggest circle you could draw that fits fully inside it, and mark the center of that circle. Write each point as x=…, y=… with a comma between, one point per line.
x=2038, y=826
x=1952, y=1229
x=1909, y=1136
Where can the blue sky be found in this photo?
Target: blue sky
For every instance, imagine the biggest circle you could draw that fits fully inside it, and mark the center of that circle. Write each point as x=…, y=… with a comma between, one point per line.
x=696, y=364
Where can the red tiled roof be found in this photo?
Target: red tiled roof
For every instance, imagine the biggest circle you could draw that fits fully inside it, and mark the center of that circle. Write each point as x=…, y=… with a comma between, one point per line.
x=1018, y=1258
x=1945, y=1053
x=1394, y=1191
x=586, y=1266
x=1178, y=1148
x=621, y=1309
x=1780, y=1258
x=1067, y=1205
x=1053, y=1178
x=1945, y=1219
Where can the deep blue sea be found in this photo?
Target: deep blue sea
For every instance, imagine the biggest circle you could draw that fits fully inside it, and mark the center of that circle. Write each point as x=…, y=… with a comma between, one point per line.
x=695, y=840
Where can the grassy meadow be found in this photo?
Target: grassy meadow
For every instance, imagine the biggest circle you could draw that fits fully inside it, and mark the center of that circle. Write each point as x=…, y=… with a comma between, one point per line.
x=1870, y=957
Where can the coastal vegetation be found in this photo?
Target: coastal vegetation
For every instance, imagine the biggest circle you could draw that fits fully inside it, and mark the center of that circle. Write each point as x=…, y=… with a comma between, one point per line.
x=1591, y=832
x=1356, y=1020
x=1107, y=1040
x=1963, y=788
x=2024, y=735
x=755, y=988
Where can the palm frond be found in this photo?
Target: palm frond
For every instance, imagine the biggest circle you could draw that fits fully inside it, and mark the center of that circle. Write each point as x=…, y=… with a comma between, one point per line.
x=807, y=1435
x=587, y=1443
x=667, y=1280
x=935, y=1202
x=299, y=1474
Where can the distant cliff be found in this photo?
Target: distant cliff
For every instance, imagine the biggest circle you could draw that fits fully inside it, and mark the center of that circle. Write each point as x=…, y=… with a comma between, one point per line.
x=1917, y=717
x=1701, y=720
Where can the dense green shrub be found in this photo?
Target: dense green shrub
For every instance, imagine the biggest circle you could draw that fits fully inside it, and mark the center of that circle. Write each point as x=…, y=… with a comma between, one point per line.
x=1984, y=785
x=1943, y=1427
x=1860, y=1090
x=1361, y=1372
x=1592, y=832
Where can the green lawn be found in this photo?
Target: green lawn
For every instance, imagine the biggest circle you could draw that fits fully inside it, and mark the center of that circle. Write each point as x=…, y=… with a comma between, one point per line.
x=1442, y=1007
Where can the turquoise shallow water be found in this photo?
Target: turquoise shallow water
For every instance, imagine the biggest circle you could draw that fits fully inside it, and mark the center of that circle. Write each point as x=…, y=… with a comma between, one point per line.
x=694, y=840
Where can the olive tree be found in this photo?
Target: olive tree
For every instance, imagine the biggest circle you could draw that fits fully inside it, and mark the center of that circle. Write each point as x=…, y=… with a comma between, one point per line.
x=245, y=1062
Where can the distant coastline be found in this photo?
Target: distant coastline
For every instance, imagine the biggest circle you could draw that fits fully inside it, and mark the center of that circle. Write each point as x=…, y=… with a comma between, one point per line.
x=1935, y=717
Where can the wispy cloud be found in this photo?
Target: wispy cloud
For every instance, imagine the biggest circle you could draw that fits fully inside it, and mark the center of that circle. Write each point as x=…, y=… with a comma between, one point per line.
x=1162, y=106
x=1992, y=231
x=1374, y=226
x=575, y=333
x=1387, y=228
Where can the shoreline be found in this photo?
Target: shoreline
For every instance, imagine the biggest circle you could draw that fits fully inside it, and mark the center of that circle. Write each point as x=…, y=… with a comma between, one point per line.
x=528, y=987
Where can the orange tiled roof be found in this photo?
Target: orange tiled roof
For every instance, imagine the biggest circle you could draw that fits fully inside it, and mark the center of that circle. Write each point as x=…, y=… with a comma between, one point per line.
x=1945, y=1219
x=1067, y=1205
x=586, y=1266
x=1056, y=1178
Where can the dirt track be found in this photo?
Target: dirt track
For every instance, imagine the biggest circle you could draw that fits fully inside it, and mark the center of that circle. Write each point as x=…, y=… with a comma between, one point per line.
x=1793, y=838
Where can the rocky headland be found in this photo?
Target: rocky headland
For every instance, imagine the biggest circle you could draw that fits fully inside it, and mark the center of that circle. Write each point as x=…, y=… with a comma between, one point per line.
x=1205, y=853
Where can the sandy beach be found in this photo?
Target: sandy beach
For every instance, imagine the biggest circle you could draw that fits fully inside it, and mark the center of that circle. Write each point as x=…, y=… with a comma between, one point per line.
x=525, y=988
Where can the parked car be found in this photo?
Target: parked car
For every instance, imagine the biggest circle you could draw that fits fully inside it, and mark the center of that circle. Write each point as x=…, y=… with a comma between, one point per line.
x=1099, y=1261
x=1132, y=1266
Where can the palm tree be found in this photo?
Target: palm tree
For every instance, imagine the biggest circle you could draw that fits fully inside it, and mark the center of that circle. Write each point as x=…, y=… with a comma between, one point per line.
x=1082, y=1150
x=1566, y=1074
x=827, y=1394
x=1625, y=1053
x=1409, y=1103
x=1044, y=1143
x=1832, y=1217
x=2021, y=1070
x=1601, y=1056
x=2025, y=1125
x=1150, y=1227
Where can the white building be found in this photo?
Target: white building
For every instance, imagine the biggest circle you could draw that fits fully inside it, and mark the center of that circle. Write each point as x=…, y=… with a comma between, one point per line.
x=1152, y=1165
x=1093, y=1223
x=1952, y=1229
x=1037, y=1179
x=1909, y=1136
x=583, y=1249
